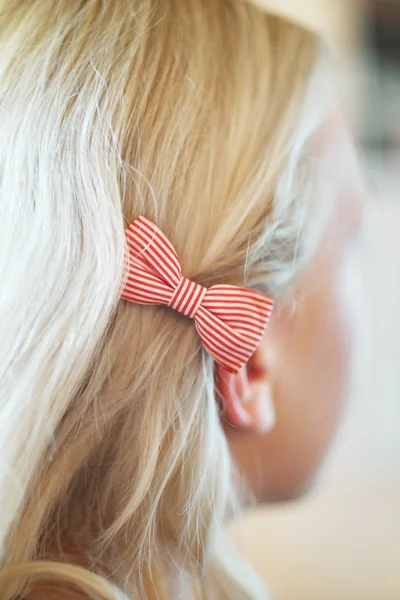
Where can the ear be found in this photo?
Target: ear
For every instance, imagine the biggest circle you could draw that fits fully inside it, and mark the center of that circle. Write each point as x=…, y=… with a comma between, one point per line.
x=246, y=395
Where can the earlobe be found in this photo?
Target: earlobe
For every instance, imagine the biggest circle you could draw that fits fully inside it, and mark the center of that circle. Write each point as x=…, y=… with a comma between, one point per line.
x=246, y=395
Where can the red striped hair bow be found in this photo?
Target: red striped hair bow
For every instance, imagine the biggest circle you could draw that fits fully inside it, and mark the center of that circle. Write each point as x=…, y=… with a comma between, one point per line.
x=230, y=320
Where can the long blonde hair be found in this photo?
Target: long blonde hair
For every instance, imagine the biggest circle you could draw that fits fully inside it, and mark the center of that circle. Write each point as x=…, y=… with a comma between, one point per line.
x=192, y=112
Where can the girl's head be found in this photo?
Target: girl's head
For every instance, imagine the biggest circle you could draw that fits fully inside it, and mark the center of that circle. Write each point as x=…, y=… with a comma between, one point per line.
x=209, y=117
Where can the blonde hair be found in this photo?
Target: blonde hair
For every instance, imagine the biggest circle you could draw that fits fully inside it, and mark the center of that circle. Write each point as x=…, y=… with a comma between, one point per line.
x=191, y=112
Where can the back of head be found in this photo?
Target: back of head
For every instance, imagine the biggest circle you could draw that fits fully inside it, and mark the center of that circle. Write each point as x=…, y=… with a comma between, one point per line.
x=192, y=113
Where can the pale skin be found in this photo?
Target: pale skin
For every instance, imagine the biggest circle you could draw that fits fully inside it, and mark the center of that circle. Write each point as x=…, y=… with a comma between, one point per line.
x=282, y=409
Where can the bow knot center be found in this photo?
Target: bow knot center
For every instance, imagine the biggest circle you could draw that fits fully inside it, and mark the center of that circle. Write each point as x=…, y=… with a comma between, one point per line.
x=187, y=297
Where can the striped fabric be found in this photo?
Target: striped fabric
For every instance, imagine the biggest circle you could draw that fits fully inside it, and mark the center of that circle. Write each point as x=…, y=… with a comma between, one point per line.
x=230, y=320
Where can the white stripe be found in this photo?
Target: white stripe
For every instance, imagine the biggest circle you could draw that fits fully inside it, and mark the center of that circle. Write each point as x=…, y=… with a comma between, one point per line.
x=245, y=321
x=236, y=301
x=221, y=358
x=145, y=266
x=160, y=238
x=176, y=299
x=189, y=286
x=155, y=297
x=255, y=338
x=197, y=298
x=145, y=285
x=225, y=332
x=149, y=252
x=226, y=314
x=224, y=338
x=232, y=306
x=139, y=278
x=193, y=300
x=240, y=358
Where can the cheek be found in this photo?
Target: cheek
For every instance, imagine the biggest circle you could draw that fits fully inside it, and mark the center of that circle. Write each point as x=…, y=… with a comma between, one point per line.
x=334, y=319
x=326, y=336
x=311, y=384
x=324, y=333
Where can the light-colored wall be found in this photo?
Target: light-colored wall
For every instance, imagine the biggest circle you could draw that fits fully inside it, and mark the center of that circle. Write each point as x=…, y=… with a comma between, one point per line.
x=337, y=20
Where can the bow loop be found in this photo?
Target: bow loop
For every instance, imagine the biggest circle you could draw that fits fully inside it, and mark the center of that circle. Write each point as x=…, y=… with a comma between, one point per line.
x=230, y=320
x=151, y=248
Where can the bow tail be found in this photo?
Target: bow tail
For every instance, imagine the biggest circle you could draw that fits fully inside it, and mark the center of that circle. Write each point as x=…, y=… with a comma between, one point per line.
x=227, y=346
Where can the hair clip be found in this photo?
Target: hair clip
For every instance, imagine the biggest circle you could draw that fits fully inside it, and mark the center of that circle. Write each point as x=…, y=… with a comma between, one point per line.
x=230, y=320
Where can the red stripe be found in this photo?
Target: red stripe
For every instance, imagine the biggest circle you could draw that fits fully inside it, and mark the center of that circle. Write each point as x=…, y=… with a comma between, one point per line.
x=238, y=319
x=223, y=329
x=249, y=333
x=232, y=365
x=165, y=245
x=136, y=278
x=201, y=291
x=221, y=348
x=241, y=300
x=192, y=298
x=221, y=337
x=222, y=357
x=183, y=290
x=175, y=295
x=151, y=251
x=187, y=298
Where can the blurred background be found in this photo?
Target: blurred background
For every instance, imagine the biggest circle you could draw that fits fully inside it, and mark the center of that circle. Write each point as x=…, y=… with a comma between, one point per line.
x=342, y=542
